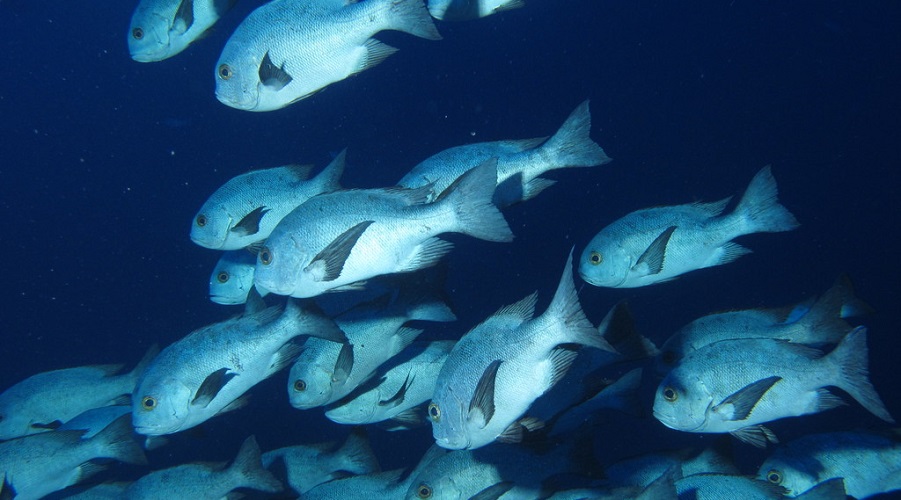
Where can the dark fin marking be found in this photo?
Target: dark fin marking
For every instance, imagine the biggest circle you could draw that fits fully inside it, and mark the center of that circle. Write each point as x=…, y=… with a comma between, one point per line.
x=655, y=254
x=335, y=254
x=344, y=364
x=398, y=397
x=273, y=76
x=745, y=399
x=483, y=398
x=185, y=13
x=755, y=435
x=49, y=426
x=494, y=491
x=211, y=387
x=514, y=433
x=250, y=224
x=411, y=417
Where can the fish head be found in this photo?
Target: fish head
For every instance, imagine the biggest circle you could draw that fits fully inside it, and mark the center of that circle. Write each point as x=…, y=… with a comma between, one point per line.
x=797, y=474
x=279, y=263
x=605, y=262
x=437, y=484
x=232, y=278
x=237, y=77
x=210, y=226
x=161, y=407
x=149, y=33
x=448, y=415
x=309, y=384
x=682, y=402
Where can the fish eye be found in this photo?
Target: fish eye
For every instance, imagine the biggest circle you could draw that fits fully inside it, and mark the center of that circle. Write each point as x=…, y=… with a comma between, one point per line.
x=424, y=491
x=774, y=476
x=434, y=412
x=300, y=385
x=148, y=403
x=201, y=220
x=137, y=33
x=595, y=258
x=266, y=256
x=668, y=357
x=670, y=394
x=222, y=277
x=225, y=71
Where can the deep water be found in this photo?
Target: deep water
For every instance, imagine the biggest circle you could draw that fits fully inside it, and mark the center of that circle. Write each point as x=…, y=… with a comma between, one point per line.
x=104, y=161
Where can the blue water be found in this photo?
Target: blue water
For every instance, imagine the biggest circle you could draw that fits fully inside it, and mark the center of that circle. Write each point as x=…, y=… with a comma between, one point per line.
x=104, y=161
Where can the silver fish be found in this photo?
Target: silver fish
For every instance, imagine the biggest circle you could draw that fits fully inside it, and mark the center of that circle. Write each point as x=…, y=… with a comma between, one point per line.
x=232, y=278
x=735, y=385
x=208, y=372
x=207, y=481
x=399, y=391
x=339, y=239
x=465, y=10
x=388, y=484
x=287, y=50
x=868, y=462
x=519, y=163
x=500, y=367
x=45, y=401
x=703, y=486
x=160, y=29
x=248, y=207
x=654, y=245
x=40, y=464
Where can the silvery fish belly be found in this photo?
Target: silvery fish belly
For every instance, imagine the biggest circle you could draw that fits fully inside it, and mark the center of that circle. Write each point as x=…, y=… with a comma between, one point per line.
x=208, y=372
x=519, y=162
x=248, y=207
x=44, y=401
x=820, y=322
x=399, y=391
x=232, y=278
x=465, y=10
x=336, y=240
x=869, y=463
x=38, y=465
x=658, y=244
x=388, y=484
x=735, y=385
x=286, y=50
x=499, y=368
x=162, y=28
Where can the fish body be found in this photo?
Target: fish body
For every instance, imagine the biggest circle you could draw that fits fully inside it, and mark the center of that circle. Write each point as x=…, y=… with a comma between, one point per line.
x=248, y=207
x=735, y=385
x=520, y=163
x=388, y=484
x=465, y=10
x=159, y=29
x=654, y=245
x=206, y=481
x=400, y=390
x=869, y=463
x=40, y=464
x=499, y=368
x=232, y=278
x=208, y=371
x=95, y=420
x=44, y=401
x=286, y=50
x=339, y=239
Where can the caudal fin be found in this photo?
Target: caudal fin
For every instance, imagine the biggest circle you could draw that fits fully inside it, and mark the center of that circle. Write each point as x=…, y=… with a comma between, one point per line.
x=412, y=16
x=116, y=441
x=824, y=322
x=759, y=208
x=248, y=471
x=470, y=197
x=566, y=308
x=850, y=357
x=330, y=177
x=571, y=146
x=356, y=455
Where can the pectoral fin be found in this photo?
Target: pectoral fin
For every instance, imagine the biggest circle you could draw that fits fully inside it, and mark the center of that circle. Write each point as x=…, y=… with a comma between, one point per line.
x=330, y=261
x=481, y=407
x=344, y=364
x=184, y=16
x=755, y=435
x=398, y=397
x=50, y=425
x=211, y=386
x=273, y=76
x=250, y=224
x=655, y=254
x=740, y=404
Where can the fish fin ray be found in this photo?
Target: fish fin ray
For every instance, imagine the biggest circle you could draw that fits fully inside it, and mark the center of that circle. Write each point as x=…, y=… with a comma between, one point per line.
x=398, y=397
x=514, y=433
x=250, y=224
x=376, y=52
x=755, y=435
x=412, y=416
x=426, y=254
x=743, y=401
x=827, y=401
x=654, y=256
x=185, y=14
x=272, y=76
x=411, y=16
x=333, y=256
x=212, y=384
x=344, y=364
x=471, y=197
x=482, y=403
x=759, y=208
x=561, y=360
x=851, y=358
x=729, y=252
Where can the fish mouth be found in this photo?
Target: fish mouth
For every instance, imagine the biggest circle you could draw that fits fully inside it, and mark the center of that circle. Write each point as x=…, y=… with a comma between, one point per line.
x=225, y=300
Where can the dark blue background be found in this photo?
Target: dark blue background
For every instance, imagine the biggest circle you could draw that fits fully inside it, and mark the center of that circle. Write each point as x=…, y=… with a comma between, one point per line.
x=104, y=161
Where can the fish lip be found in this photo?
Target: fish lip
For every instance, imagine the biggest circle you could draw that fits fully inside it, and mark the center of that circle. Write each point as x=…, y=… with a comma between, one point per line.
x=666, y=422
x=224, y=300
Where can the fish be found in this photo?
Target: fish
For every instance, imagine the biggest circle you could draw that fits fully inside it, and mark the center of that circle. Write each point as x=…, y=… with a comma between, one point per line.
x=399, y=391
x=819, y=322
x=869, y=463
x=47, y=400
x=102, y=491
x=703, y=486
x=325, y=371
x=209, y=371
x=736, y=385
x=287, y=50
x=64, y=458
x=465, y=10
x=160, y=29
x=337, y=240
x=388, y=484
x=248, y=207
x=307, y=466
x=500, y=367
x=204, y=480
x=232, y=279
x=656, y=245
x=520, y=163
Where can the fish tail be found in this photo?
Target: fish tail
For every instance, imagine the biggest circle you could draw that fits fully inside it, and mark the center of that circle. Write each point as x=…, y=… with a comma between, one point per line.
x=759, y=208
x=566, y=308
x=571, y=146
x=470, y=197
x=116, y=441
x=313, y=322
x=824, y=322
x=330, y=177
x=356, y=454
x=850, y=356
x=248, y=469
x=412, y=16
